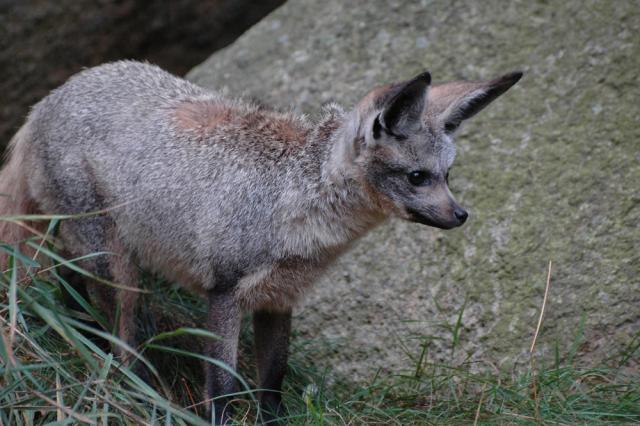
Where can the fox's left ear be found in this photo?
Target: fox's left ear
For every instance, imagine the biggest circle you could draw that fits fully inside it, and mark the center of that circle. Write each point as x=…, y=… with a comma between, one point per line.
x=406, y=107
x=450, y=104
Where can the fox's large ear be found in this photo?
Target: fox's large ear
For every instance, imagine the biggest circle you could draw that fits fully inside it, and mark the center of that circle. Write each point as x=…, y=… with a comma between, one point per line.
x=452, y=103
x=406, y=107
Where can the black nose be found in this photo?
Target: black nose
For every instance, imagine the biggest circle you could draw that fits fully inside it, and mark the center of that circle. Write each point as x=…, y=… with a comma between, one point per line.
x=461, y=215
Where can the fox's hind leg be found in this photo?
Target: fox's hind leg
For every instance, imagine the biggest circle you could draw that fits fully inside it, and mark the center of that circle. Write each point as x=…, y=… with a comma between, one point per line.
x=81, y=237
x=124, y=272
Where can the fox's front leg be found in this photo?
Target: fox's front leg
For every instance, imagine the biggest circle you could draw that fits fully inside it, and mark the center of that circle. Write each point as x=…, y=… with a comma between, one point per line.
x=224, y=318
x=271, y=331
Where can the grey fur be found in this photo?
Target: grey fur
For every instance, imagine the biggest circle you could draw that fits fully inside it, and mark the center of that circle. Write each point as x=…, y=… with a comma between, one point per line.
x=247, y=205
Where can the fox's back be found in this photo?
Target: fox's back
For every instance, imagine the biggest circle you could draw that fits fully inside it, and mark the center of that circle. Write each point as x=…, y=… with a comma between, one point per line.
x=105, y=116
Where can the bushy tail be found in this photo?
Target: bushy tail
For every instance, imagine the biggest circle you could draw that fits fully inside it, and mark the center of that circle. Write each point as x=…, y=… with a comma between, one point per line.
x=14, y=196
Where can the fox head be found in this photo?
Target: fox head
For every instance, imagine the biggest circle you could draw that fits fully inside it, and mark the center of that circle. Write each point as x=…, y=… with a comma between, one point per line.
x=404, y=145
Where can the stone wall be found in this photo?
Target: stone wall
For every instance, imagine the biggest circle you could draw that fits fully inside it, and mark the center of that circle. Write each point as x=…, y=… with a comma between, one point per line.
x=43, y=42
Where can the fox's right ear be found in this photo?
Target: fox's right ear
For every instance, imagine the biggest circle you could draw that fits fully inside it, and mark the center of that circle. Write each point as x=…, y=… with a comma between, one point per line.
x=452, y=103
x=405, y=108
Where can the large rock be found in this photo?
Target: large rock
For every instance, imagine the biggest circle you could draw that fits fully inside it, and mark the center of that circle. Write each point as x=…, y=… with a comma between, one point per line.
x=551, y=171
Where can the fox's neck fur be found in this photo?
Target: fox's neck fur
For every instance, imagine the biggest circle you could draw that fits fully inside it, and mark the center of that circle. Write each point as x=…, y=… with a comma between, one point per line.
x=342, y=206
x=321, y=198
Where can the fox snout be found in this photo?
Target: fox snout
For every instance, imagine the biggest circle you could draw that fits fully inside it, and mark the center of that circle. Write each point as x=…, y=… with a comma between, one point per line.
x=444, y=213
x=460, y=214
x=452, y=218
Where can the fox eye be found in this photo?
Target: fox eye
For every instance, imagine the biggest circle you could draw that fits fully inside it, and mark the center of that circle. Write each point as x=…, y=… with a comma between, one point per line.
x=446, y=177
x=418, y=177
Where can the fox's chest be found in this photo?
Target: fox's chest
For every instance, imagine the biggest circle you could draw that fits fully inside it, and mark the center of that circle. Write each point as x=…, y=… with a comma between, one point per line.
x=278, y=287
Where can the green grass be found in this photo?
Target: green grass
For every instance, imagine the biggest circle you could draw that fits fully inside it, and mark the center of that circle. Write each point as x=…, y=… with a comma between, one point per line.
x=56, y=369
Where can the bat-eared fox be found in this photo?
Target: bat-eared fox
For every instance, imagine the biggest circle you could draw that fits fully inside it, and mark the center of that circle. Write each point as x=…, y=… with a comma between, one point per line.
x=245, y=205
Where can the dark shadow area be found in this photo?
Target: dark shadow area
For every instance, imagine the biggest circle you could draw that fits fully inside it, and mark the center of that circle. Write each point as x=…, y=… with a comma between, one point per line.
x=43, y=42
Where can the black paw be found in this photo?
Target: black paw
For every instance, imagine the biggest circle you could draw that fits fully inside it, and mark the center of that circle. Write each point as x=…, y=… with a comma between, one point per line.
x=271, y=410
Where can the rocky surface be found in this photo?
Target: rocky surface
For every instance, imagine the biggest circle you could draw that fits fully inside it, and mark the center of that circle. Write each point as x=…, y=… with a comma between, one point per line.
x=551, y=171
x=43, y=42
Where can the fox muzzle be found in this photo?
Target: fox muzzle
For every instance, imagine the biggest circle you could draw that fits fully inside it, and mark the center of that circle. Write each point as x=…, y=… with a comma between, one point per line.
x=457, y=217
